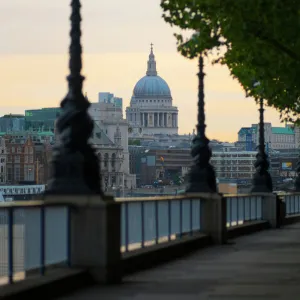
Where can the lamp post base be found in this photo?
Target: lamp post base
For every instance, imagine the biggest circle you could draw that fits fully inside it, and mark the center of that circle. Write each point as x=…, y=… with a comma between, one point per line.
x=262, y=183
x=68, y=177
x=202, y=180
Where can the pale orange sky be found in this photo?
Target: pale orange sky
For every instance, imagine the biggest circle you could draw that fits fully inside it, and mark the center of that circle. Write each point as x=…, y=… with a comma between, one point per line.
x=116, y=38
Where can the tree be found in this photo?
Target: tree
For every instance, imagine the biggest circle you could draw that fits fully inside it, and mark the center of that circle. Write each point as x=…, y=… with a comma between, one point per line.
x=257, y=40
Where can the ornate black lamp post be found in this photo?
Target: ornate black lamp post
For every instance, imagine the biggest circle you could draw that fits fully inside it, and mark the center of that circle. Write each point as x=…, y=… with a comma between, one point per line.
x=202, y=175
x=262, y=181
x=75, y=166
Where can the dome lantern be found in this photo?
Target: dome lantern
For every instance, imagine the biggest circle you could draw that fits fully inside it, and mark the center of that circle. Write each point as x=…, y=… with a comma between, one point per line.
x=151, y=85
x=151, y=70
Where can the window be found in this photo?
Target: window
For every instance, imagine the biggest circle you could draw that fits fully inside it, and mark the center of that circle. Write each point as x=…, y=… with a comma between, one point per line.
x=17, y=158
x=17, y=173
x=29, y=173
x=13, y=149
x=30, y=150
x=19, y=150
x=113, y=160
x=26, y=159
x=105, y=160
x=31, y=159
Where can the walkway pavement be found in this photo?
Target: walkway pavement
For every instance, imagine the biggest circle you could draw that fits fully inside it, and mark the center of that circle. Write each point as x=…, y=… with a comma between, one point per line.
x=265, y=265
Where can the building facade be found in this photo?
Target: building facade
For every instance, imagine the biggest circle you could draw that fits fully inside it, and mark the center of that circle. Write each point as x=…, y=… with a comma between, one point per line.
x=234, y=165
x=164, y=164
x=26, y=160
x=105, y=97
x=110, y=140
x=20, y=160
x=275, y=137
x=41, y=119
x=3, y=159
x=151, y=109
x=12, y=122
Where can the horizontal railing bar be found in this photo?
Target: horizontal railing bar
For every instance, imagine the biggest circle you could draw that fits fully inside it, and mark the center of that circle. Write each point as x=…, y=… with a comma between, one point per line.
x=203, y=196
x=245, y=195
x=80, y=202
x=33, y=204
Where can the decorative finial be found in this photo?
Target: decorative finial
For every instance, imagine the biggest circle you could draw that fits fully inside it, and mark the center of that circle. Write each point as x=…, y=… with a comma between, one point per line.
x=151, y=45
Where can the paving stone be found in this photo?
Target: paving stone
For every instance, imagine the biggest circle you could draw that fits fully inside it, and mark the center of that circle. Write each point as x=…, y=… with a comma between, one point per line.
x=264, y=265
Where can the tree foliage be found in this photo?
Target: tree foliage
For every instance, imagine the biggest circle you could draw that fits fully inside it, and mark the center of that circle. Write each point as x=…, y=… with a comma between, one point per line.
x=258, y=40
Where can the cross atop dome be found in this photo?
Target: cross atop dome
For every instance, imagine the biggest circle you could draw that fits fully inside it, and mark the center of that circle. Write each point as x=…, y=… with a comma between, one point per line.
x=151, y=70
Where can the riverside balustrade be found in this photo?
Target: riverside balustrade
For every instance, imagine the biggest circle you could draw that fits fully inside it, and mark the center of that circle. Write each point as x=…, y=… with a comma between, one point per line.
x=149, y=221
x=243, y=208
x=32, y=237
x=35, y=236
x=292, y=203
x=153, y=220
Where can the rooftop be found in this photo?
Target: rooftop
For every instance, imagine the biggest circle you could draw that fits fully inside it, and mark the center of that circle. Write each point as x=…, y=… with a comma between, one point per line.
x=282, y=130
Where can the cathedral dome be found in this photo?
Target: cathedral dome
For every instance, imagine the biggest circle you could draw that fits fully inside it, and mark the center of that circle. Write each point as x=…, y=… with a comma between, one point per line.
x=151, y=84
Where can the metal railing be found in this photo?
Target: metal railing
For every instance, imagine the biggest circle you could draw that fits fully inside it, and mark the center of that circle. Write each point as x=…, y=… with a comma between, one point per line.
x=292, y=203
x=243, y=208
x=33, y=236
x=149, y=221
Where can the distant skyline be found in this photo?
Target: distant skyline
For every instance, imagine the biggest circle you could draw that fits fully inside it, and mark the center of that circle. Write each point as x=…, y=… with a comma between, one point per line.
x=116, y=42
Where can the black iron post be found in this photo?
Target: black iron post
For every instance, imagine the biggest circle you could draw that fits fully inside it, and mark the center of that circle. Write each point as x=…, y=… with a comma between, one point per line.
x=202, y=175
x=297, y=180
x=262, y=181
x=75, y=166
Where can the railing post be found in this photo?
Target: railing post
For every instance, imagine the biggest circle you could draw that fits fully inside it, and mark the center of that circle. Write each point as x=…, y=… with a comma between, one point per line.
x=213, y=217
x=270, y=209
x=96, y=238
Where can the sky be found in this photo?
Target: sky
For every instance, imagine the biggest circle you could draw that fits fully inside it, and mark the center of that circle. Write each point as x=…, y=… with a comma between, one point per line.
x=116, y=43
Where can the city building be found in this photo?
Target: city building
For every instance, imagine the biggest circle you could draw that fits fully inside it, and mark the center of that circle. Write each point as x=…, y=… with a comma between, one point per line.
x=164, y=164
x=3, y=159
x=27, y=161
x=20, y=160
x=275, y=137
x=41, y=119
x=135, y=156
x=234, y=165
x=110, y=98
x=37, y=136
x=43, y=155
x=151, y=109
x=12, y=122
x=110, y=139
x=162, y=140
